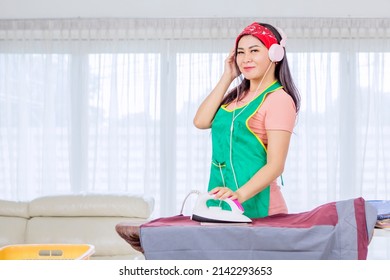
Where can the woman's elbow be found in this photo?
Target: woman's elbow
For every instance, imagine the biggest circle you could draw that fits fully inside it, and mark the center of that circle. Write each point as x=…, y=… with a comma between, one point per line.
x=281, y=170
x=277, y=169
x=201, y=124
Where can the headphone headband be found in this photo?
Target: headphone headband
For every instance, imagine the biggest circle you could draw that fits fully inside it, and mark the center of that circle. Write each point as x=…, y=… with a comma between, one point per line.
x=260, y=32
x=275, y=50
x=283, y=41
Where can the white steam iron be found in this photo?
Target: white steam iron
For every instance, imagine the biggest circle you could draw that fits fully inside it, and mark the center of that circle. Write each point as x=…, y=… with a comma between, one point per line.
x=215, y=214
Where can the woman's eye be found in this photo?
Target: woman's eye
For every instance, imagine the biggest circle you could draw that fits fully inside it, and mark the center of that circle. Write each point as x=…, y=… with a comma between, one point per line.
x=254, y=50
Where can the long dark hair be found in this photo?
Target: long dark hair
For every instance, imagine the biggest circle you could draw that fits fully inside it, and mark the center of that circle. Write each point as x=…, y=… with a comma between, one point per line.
x=282, y=73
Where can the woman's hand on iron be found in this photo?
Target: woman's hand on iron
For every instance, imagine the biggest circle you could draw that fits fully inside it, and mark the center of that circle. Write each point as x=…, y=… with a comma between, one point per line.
x=223, y=193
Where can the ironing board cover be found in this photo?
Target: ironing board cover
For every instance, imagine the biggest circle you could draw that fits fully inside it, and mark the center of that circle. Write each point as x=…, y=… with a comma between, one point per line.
x=337, y=230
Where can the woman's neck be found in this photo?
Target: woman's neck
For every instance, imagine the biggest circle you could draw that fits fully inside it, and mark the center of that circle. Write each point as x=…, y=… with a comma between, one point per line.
x=261, y=85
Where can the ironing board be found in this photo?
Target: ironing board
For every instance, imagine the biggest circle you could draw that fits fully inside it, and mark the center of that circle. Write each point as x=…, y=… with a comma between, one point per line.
x=337, y=230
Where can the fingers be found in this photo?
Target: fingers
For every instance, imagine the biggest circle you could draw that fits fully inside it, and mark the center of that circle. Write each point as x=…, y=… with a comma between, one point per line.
x=230, y=64
x=231, y=55
x=233, y=51
x=223, y=193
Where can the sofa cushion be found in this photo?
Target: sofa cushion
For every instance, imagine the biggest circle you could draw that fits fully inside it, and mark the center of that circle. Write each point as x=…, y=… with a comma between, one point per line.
x=92, y=205
x=13, y=220
x=97, y=231
x=12, y=230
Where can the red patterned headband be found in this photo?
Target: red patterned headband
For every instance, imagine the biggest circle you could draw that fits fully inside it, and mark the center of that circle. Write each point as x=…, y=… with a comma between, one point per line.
x=260, y=32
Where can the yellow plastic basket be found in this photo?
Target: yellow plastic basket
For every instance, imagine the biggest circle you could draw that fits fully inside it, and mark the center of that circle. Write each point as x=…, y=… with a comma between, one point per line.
x=47, y=252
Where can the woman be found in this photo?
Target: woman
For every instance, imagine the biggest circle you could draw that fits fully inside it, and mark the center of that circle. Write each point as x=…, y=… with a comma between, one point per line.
x=252, y=124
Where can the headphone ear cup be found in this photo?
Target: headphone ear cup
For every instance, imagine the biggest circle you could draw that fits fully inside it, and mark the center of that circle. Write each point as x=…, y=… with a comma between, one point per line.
x=276, y=53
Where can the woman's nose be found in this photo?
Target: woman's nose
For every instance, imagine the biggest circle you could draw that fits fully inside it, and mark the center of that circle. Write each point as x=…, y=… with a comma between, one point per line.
x=248, y=57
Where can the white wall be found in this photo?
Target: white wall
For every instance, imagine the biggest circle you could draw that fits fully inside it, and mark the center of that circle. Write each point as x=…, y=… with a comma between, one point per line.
x=192, y=8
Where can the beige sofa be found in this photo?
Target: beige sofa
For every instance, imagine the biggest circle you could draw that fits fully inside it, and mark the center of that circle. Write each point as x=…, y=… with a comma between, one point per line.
x=75, y=219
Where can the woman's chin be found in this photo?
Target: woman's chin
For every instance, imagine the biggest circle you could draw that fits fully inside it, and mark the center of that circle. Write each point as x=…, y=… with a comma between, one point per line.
x=251, y=77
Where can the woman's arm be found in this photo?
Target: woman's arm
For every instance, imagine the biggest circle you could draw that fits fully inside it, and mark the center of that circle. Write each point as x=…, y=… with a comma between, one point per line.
x=277, y=149
x=207, y=110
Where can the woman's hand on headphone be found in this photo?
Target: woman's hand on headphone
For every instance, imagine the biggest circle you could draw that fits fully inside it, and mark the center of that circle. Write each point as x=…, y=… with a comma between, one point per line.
x=230, y=65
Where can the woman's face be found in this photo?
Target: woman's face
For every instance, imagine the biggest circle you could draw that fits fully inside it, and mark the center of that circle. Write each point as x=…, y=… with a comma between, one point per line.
x=252, y=57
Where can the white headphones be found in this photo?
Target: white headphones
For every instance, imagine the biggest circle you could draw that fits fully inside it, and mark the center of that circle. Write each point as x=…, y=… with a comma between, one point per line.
x=276, y=51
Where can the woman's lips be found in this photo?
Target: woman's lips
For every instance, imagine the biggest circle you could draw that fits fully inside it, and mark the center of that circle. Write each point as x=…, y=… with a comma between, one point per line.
x=249, y=68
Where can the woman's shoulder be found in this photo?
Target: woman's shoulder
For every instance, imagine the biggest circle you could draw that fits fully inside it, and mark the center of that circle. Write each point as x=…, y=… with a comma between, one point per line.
x=279, y=98
x=279, y=111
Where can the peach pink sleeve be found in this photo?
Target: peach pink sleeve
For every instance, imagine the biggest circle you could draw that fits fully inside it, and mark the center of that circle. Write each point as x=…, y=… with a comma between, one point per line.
x=276, y=113
x=279, y=111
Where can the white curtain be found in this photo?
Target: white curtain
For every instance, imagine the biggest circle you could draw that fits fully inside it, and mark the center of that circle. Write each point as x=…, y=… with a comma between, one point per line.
x=106, y=106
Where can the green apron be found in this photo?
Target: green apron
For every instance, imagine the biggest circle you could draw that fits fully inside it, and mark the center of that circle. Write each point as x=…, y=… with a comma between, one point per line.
x=247, y=153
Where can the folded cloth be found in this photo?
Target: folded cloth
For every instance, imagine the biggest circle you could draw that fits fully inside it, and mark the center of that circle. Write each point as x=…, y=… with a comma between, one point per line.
x=382, y=207
x=385, y=223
